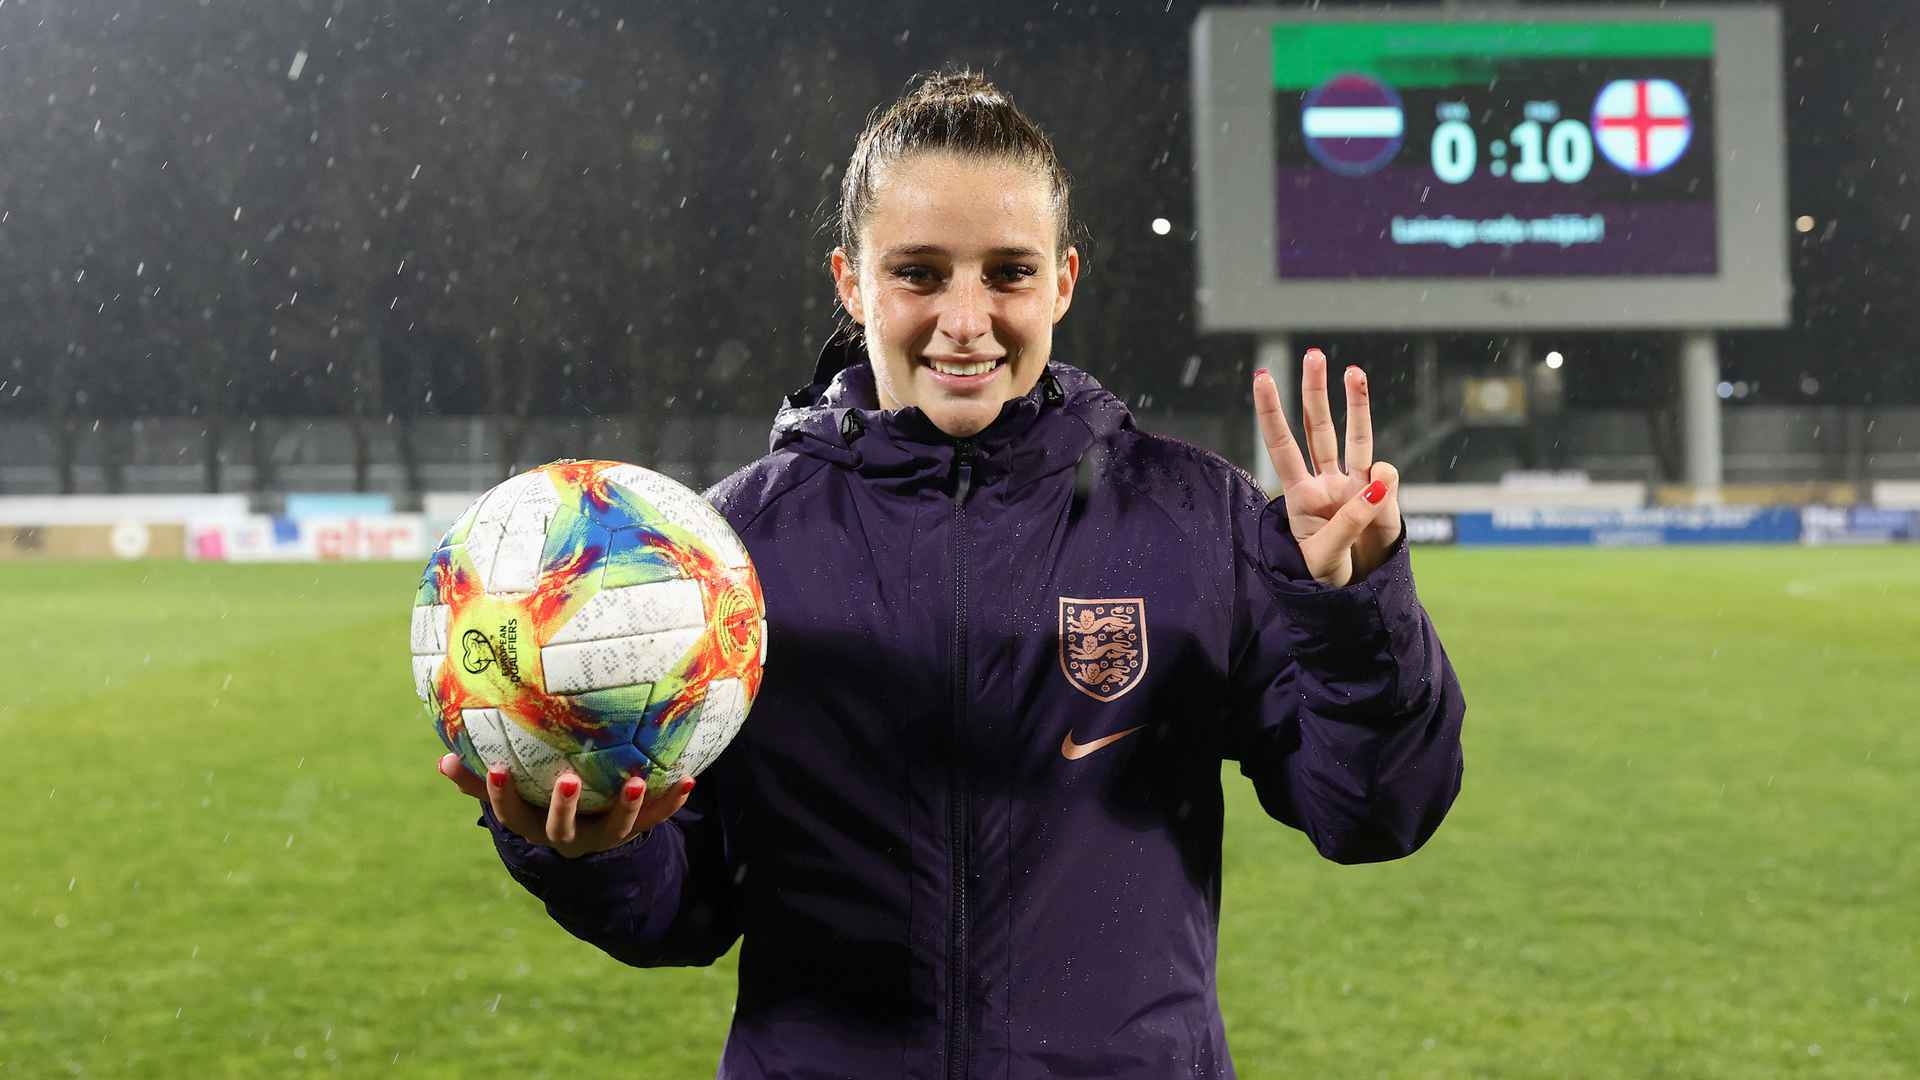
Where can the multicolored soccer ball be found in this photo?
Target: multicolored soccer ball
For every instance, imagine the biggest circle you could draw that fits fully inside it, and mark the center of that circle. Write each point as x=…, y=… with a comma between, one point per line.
x=593, y=616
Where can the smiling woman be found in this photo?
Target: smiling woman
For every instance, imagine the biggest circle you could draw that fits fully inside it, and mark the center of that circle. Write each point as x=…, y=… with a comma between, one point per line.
x=960, y=286
x=973, y=825
x=953, y=251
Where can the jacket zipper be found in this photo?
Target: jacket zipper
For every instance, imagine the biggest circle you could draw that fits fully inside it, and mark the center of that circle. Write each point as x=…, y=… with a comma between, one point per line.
x=959, y=810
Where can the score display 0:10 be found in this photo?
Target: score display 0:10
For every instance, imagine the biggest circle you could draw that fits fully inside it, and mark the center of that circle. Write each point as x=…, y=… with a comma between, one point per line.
x=1563, y=152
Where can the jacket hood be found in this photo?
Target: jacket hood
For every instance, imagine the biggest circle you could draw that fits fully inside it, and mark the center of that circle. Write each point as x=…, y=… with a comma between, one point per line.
x=838, y=418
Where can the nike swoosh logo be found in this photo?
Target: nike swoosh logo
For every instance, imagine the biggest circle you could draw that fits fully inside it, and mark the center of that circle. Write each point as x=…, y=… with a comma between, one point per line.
x=1074, y=751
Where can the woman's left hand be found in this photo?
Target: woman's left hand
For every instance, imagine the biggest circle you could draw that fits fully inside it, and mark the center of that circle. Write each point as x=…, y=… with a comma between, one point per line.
x=1345, y=519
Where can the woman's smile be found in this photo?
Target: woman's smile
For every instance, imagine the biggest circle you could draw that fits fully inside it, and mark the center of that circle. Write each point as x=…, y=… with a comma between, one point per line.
x=963, y=375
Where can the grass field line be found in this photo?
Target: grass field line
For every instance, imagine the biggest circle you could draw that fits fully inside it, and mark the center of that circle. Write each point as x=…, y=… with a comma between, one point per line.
x=1684, y=847
x=215, y=673
x=1886, y=581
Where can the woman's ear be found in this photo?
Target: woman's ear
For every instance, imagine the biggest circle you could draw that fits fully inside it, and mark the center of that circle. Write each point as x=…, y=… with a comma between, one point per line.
x=846, y=283
x=1069, y=275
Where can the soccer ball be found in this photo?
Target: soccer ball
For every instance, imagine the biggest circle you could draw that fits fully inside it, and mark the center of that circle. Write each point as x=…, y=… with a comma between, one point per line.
x=593, y=616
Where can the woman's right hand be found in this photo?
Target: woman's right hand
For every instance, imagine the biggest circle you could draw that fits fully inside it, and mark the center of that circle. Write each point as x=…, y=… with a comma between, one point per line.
x=560, y=827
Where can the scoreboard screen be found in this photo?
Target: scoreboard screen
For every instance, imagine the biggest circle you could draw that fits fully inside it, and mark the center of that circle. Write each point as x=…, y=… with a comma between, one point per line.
x=1376, y=168
x=1424, y=149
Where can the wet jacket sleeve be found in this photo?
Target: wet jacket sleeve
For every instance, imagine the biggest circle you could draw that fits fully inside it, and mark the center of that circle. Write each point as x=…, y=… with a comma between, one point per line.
x=1345, y=712
x=667, y=899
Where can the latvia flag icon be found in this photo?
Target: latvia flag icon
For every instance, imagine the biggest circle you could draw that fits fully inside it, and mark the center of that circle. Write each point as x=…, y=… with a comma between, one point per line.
x=1353, y=124
x=1642, y=125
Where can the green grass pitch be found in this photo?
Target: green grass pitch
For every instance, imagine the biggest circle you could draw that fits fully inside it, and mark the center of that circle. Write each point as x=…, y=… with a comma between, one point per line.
x=1688, y=845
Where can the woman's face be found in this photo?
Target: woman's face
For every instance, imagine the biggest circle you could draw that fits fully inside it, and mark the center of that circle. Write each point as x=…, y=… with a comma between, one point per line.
x=957, y=285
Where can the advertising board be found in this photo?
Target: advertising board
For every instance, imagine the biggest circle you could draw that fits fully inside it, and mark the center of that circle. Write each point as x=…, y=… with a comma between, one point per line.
x=125, y=540
x=257, y=538
x=1859, y=525
x=1612, y=528
x=1430, y=529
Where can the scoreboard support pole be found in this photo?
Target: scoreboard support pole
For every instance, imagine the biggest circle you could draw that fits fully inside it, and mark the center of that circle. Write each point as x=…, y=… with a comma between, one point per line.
x=1275, y=353
x=1517, y=361
x=1700, y=409
x=1427, y=402
x=1517, y=354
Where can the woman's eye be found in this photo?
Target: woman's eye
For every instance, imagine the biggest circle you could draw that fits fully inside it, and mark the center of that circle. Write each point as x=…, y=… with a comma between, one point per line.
x=1014, y=272
x=913, y=275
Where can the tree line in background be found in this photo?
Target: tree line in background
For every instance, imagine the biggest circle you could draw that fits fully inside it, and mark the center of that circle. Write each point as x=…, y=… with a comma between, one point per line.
x=325, y=209
x=384, y=212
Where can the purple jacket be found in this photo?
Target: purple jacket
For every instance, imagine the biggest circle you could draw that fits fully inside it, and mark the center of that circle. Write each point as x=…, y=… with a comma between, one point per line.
x=972, y=826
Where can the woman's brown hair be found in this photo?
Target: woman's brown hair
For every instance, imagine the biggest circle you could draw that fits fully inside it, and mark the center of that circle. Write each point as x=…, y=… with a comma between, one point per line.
x=957, y=112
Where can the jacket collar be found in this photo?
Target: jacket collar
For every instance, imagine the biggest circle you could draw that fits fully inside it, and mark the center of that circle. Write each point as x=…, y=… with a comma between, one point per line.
x=838, y=418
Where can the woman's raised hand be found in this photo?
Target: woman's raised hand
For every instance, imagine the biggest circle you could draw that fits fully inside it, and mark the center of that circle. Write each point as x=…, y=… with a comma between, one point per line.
x=1346, y=519
x=560, y=826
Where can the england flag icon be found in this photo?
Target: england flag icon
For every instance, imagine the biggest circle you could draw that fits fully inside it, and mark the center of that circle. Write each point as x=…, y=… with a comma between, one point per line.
x=1642, y=125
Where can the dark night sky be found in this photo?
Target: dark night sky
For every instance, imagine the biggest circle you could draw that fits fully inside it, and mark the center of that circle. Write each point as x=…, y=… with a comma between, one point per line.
x=592, y=177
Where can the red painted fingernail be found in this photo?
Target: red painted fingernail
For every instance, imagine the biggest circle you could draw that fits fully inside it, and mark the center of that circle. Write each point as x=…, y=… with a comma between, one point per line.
x=635, y=788
x=497, y=776
x=569, y=786
x=686, y=786
x=1375, y=492
x=1257, y=372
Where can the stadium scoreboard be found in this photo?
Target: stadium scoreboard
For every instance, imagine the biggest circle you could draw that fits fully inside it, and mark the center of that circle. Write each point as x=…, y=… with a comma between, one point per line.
x=1434, y=150
x=1573, y=168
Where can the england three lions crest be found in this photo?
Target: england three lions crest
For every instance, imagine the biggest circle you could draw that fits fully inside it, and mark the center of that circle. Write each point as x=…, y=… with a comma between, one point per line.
x=1103, y=645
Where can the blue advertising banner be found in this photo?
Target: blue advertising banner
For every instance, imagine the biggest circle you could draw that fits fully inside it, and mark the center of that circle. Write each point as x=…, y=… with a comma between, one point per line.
x=1429, y=528
x=1608, y=527
x=1859, y=525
